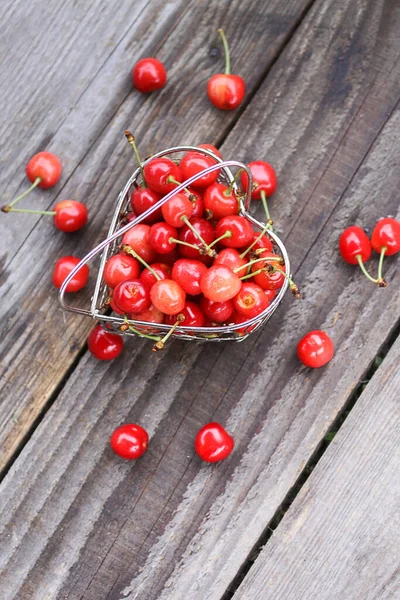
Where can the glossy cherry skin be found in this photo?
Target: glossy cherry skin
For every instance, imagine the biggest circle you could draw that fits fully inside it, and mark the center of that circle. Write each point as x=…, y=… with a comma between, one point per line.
x=188, y=272
x=70, y=216
x=138, y=238
x=231, y=258
x=63, y=268
x=45, y=165
x=197, y=203
x=264, y=176
x=193, y=163
x=144, y=198
x=156, y=173
x=151, y=315
x=148, y=75
x=220, y=312
x=103, y=344
x=266, y=280
x=213, y=443
x=163, y=271
x=115, y=308
x=251, y=300
x=218, y=203
x=205, y=230
x=354, y=242
x=120, y=267
x=315, y=349
x=226, y=92
x=212, y=149
x=177, y=209
x=220, y=283
x=132, y=296
x=240, y=228
x=386, y=234
x=263, y=243
x=129, y=441
x=160, y=234
x=168, y=297
x=192, y=313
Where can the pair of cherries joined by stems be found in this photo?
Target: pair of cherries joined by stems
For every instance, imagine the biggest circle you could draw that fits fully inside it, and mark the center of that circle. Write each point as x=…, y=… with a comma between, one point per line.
x=44, y=170
x=226, y=91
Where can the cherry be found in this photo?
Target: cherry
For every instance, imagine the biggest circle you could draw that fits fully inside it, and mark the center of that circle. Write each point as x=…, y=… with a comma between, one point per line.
x=241, y=232
x=251, y=300
x=103, y=344
x=271, y=294
x=161, y=175
x=115, y=308
x=216, y=311
x=213, y=443
x=315, y=349
x=197, y=203
x=168, y=258
x=220, y=283
x=131, y=296
x=177, y=210
x=160, y=269
x=194, y=163
x=260, y=242
x=151, y=315
x=354, y=245
x=142, y=199
x=220, y=201
x=148, y=75
x=226, y=91
x=168, y=296
x=120, y=267
x=269, y=280
x=188, y=272
x=160, y=235
x=70, y=215
x=232, y=259
x=203, y=232
x=138, y=239
x=192, y=313
x=129, y=441
x=211, y=148
x=63, y=268
x=264, y=178
x=386, y=236
x=237, y=319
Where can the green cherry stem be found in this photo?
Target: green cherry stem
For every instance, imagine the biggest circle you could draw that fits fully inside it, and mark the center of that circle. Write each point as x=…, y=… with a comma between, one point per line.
x=32, y=212
x=126, y=325
x=173, y=240
x=226, y=50
x=266, y=209
x=6, y=208
x=294, y=288
x=380, y=265
x=161, y=343
x=229, y=189
x=379, y=281
x=171, y=179
x=252, y=274
x=128, y=250
x=131, y=140
x=196, y=233
x=268, y=226
x=277, y=259
x=227, y=234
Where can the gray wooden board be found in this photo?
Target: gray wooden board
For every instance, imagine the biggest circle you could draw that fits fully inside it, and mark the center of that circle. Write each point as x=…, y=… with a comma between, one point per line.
x=38, y=344
x=340, y=538
x=78, y=523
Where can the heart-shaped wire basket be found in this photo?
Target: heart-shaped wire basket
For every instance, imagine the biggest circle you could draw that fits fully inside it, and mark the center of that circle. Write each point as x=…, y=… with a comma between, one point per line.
x=99, y=308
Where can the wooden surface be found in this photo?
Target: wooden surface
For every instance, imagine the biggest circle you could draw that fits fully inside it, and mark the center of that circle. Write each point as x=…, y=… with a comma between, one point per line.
x=322, y=107
x=340, y=538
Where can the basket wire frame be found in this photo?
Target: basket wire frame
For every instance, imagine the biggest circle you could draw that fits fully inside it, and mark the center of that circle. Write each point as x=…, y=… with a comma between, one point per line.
x=98, y=307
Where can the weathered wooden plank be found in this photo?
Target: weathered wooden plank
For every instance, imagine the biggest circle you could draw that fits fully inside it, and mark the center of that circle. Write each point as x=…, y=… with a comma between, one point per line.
x=340, y=537
x=35, y=356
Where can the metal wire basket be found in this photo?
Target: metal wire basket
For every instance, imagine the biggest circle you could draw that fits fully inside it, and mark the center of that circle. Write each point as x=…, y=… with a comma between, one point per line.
x=99, y=309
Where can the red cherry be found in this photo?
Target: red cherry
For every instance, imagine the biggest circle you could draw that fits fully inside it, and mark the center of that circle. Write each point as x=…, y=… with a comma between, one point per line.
x=205, y=231
x=315, y=349
x=144, y=198
x=163, y=271
x=46, y=166
x=194, y=163
x=197, y=203
x=264, y=176
x=220, y=201
x=226, y=91
x=251, y=300
x=129, y=441
x=271, y=294
x=213, y=443
x=160, y=175
x=240, y=229
x=266, y=280
x=138, y=239
x=120, y=267
x=132, y=296
x=103, y=344
x=220, y=283
x=192, y=313
x=386, y=234
x=148, y=75
x=188, y=272
x=220, y=312
x=63, y=268
x=168, y=258
x=160, y=234
x=70, y=215
x=211, y=148
x=231, y=258
x=168, y=296
x=177, y=209
x=354, y=242
x=115, y=308
x=263, y=243
x=151, y=315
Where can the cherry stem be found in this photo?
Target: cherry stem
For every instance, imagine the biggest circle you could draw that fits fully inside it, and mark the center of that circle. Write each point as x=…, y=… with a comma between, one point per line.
x=6, y=208
x=161, y=343
x=380, y=265
x=265, y=205
x=171, y=179
x=131, y=140
x=256, y=240
x=294, y=288
x=229, y=189
x=268, y=259
x=32, y=212
x=126, y=325
x=128, y=250
x=196, y=233
x=252, y=274
x=173, y=240
x=226, y=50
x=364, y=270
x=227, y=234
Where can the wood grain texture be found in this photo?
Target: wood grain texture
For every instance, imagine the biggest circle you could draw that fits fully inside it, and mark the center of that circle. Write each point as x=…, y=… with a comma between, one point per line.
x=35, y=357
x=340, y=538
